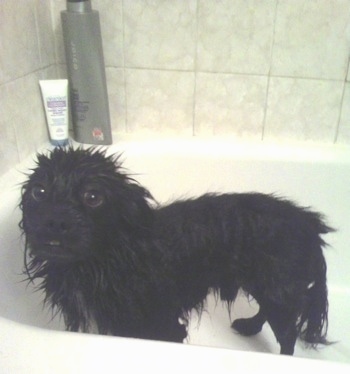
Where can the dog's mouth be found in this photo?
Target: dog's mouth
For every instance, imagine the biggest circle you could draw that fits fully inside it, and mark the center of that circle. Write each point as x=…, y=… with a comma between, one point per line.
x=53, y=249
x=54, y=244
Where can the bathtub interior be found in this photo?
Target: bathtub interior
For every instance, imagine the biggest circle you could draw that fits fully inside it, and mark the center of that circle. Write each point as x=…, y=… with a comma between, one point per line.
x=317, y=177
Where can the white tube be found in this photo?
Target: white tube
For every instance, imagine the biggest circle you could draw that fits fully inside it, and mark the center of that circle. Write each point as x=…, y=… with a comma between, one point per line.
x=55, y=99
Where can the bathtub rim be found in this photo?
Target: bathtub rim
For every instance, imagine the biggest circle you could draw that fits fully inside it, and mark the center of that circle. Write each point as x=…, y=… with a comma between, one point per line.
x=32, y=341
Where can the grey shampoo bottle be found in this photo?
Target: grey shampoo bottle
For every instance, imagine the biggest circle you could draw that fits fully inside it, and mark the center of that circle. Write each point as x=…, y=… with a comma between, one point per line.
x=86, y=73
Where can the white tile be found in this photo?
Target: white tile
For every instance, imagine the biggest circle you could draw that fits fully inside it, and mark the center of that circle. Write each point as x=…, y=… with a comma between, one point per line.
x=235, y=36
x=343, y=135
x=160, y=101
x=311, y=39
x=302, y=109
x=160, y=34
x=230, y=104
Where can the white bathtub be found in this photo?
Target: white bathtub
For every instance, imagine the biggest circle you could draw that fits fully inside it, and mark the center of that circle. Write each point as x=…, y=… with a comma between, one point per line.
x=317, y=176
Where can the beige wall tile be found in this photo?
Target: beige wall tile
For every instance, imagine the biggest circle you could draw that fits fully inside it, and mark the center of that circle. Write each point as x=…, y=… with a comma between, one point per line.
x=235, y=36
x=29, y=118
x=19, y=46
x=116, y=94
x=45, y=32
x=56, y=8
x=8, y=142
x=312, y=39
x=302, y=109
x=159, y=101
x=160, y=34
x=343, y=135
x=112, y=30
x=230, y=104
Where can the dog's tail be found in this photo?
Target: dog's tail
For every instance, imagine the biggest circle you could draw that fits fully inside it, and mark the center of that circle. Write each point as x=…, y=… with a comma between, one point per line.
x=313, y=323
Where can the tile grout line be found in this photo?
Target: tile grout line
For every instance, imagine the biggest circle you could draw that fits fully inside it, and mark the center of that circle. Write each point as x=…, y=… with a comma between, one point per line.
x=336, y=135
x=269, y=73
x=126, y=126
x=194, y=99
x=227, y=73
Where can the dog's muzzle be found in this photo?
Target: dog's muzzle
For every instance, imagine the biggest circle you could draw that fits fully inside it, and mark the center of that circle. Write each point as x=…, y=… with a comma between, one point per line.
x=57, y=233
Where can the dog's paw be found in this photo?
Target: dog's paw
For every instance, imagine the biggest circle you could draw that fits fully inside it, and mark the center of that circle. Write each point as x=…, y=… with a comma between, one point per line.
x=246, y=326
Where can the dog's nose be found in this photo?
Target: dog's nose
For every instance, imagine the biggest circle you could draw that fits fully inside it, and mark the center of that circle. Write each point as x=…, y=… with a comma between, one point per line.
x=57, y=225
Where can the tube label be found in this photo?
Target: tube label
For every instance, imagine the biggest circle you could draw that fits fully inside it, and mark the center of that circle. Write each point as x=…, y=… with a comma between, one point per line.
x=55, y=99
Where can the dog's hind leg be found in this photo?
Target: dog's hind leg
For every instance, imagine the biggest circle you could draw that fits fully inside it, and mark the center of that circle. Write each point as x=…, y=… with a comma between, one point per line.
x=250, y=326
x=281, y=319
x=283, y=325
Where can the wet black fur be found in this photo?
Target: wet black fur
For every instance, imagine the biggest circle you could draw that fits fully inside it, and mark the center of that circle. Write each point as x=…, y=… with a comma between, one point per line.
x=107, y=255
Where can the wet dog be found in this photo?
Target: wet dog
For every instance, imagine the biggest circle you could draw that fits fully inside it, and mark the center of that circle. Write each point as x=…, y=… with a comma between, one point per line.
x=107, y=255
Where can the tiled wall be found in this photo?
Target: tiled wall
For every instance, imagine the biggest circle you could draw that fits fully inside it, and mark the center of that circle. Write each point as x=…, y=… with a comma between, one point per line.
x=253, y=69
x=27, y=54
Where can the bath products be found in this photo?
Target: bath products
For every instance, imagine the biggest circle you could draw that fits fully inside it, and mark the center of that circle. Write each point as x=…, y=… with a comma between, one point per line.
x=86, y=73
x=55, y=99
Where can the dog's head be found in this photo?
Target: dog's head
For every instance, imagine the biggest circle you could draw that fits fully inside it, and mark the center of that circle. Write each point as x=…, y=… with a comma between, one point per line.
x=80, y=203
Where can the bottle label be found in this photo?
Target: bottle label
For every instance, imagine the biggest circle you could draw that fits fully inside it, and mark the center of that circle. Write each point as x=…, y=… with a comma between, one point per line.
x=97, y=134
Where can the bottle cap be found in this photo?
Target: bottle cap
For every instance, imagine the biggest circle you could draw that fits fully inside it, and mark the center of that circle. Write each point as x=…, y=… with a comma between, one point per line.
x=79, y=6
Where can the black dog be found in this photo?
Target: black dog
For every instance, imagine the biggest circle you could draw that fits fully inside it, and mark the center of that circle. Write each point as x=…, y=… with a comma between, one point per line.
x=108, y=256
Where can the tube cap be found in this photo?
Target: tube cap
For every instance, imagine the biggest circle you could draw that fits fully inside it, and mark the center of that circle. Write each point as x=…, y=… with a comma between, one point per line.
x=59, y=143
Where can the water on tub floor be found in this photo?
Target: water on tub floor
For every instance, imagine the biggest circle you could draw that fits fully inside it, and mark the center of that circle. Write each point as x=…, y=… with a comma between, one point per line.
x=213, y=329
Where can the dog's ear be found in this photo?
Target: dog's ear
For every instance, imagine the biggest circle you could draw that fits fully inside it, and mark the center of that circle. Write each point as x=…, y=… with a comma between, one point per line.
x=140, y=214
x=133, y=205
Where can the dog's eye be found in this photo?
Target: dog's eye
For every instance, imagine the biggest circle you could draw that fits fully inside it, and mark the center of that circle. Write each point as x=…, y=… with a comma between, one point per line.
x=39, y=193
x=93, y=198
